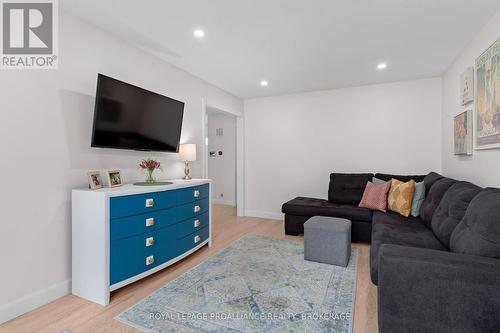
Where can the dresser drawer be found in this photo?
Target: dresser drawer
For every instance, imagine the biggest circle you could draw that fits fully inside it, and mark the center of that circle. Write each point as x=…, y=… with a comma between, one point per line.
x=139, y=224
x=134, y=255
x=184, y=228
x=191, y=194
x=192, y=240
x=192, y=209
x=141, y=203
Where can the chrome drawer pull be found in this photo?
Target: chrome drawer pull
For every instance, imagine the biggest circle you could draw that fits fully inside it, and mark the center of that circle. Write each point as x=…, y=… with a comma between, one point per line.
x=150, y=222
x=197, y=209
x=150, y=241
x=196, y=194
x=150, y=260
x=150, y=202
x=197, y=239
x=197, y=223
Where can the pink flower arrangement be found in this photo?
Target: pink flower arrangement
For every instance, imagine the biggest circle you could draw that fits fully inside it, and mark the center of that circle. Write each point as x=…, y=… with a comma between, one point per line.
x=149, y=165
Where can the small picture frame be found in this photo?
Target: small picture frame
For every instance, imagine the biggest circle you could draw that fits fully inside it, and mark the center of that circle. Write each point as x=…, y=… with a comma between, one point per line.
x=114, y=178
x=467, y=86
x=463, y=133
x=94, y=179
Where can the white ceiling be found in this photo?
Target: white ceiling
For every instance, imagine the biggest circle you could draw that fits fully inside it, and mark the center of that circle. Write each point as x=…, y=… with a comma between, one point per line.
x=296, y=45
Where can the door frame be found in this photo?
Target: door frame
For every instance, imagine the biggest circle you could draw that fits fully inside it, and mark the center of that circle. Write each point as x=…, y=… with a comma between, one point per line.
x=240, y=148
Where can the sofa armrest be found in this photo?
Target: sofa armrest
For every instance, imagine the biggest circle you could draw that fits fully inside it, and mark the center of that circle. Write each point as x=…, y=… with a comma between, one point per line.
x=422, y=290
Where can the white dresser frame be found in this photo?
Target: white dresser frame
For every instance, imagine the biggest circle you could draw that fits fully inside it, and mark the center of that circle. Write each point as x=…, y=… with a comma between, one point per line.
x=91, y=239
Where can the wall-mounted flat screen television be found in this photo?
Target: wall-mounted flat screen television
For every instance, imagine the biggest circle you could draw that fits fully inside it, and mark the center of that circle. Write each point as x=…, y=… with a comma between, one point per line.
x=129, y=117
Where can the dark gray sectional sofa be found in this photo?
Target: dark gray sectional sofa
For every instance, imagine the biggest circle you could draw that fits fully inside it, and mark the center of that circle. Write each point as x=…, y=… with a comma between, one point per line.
x=439, y=272
x=344, y=194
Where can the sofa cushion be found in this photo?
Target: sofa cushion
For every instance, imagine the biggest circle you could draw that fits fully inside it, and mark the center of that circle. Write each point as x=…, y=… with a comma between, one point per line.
x=347, y=188
x=418, y=198
x=375, y=196
x=430, y=179
x=319, y=207
x=400, y=197
x=433, y=199
x=391, y=228
x=479, y=231
x=403, y=178
x=452, y=209
x=395, y=219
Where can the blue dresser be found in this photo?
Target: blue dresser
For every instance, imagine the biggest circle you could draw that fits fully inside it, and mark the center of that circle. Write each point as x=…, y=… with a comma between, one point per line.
x=123, y=234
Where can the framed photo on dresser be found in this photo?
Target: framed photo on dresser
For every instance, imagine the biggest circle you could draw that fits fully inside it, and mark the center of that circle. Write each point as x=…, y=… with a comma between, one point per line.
x=94, y=179
x=114, y=178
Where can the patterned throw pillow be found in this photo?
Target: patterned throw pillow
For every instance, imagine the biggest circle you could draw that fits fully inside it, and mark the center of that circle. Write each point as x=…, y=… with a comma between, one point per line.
x=375, y=196
x=400, y=197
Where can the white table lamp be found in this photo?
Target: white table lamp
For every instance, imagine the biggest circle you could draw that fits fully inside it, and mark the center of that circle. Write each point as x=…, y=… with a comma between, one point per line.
x=187, y=153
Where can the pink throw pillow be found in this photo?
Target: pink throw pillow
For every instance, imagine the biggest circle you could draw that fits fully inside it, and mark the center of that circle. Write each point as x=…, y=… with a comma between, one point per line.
x=375, y=196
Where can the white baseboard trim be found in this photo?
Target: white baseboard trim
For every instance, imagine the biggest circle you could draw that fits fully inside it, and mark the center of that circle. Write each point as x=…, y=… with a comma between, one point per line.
x=265, y=215
x=30, y=302
x=223, y=202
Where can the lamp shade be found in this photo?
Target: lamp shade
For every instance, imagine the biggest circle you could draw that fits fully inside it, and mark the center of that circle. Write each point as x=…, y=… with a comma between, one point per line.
x=187, y=152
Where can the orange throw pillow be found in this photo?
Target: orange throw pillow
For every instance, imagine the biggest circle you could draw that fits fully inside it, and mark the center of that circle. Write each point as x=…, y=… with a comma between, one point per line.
x=400, y=197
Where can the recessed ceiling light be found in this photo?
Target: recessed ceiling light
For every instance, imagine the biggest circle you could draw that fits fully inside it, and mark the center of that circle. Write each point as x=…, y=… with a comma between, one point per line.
x=382, y=65
x=198, y=33
x=264, y=83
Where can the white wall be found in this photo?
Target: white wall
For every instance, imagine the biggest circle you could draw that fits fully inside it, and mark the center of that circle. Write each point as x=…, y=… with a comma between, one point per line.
x=46, y=119
x=222, y=168
x=482, y=168
x=294, y=142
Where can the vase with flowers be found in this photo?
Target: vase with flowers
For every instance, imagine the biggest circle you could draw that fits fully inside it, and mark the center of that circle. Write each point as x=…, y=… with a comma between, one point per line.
x=150, y=165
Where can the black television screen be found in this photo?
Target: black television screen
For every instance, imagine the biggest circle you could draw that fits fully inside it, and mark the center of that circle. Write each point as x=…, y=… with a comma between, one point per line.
x=129, y=117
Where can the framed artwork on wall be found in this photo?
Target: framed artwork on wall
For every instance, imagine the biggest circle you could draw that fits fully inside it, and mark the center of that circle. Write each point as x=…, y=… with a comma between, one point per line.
x=463, y=133
x=487, y=131
x=467, y=86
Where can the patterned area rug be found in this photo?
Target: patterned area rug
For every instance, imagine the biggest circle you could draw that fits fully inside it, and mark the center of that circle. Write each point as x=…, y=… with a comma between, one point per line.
x=258, y=284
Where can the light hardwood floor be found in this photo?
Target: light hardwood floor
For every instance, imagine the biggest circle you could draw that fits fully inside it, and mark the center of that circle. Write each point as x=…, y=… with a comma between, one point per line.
x=78, y=315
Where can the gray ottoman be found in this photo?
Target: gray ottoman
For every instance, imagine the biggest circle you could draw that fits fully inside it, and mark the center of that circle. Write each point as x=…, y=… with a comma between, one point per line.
x=327, y=240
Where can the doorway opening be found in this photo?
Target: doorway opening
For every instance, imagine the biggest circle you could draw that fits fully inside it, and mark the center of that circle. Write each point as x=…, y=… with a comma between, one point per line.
x=223, y=157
